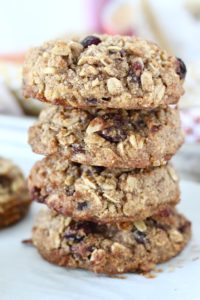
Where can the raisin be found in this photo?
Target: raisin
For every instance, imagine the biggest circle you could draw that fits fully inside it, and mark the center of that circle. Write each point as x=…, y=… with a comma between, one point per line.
x=69, y=191
x=184, y=227
x=140, y=237
x=105, y=98
x=99, y=169
x=139, y=125
x=90, y=40
x=122, y=52
x=92, y=100
x=113, y=134
x=73, y=237
x=77, y=148
x=181, y=69
x=90, y=248
x=82, y=205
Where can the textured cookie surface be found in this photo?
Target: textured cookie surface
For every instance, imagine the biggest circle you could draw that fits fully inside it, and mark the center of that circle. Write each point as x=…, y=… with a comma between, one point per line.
x=111, y=138
x=110, y=249
x=100, y=194
x=14, y=198
x=105, y=72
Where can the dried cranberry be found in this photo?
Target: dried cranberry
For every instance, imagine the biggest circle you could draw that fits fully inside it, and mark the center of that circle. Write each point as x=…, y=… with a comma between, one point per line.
x=140, y=237
x=136, y=71
x=155, y=128
x=90, y=40
x=122, y=52
x=181, y=69
x=164, y=213
x=113, y=134
x=82, y=205
x=137, y=68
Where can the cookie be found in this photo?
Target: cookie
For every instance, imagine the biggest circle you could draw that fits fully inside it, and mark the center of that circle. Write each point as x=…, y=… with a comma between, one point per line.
x=110, y=138
x=110, y=249
x=101, y=194
x=14, y=198
x=103, y=71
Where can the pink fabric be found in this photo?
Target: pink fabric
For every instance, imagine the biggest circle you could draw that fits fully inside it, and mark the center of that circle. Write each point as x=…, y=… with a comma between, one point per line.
x=191, y=124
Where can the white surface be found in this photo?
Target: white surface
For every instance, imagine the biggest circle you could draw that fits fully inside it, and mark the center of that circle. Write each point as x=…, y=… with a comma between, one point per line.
x=24, y=24
x=24, y=275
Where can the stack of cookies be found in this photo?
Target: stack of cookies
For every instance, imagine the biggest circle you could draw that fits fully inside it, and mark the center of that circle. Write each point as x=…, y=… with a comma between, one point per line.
x=108, y=136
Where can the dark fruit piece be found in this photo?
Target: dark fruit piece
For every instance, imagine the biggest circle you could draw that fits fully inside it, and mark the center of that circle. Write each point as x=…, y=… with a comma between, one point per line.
x=36, y=195
x=122, y=52
x=77, y=148
x=139, y=125
x=73, y=237
x=140, y=237
x=105, y=98
x=99, y=169
x=113, y=134
x=69, y=191
x=136, y=71
x=92, y=101
x=155, y=128
x=90, y=40
x=82, y=205
x=184, y=227
x=5, y=181
x=181, y=69
x=137, y=68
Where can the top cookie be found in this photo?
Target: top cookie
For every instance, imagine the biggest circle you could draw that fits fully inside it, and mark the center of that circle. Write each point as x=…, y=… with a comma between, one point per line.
x=103, y=71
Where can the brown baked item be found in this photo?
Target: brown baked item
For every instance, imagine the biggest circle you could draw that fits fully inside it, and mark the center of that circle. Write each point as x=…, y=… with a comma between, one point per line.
x=110, y=138
x=100, y=194
x=110, y=249
x=14, y=198
x=103, y=71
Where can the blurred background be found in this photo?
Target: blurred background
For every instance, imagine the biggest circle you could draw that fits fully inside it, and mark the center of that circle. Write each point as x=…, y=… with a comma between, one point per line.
x=173, y=24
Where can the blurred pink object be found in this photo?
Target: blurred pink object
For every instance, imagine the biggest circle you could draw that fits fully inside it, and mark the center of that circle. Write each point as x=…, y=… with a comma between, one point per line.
x=191, y=124
x=111, y=17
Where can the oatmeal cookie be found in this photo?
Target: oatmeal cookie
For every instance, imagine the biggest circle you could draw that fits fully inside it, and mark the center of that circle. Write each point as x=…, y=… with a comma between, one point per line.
x=112, y=248
x=100, y=194
x=14, y=198
x=110, y=138
x=103, y=71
